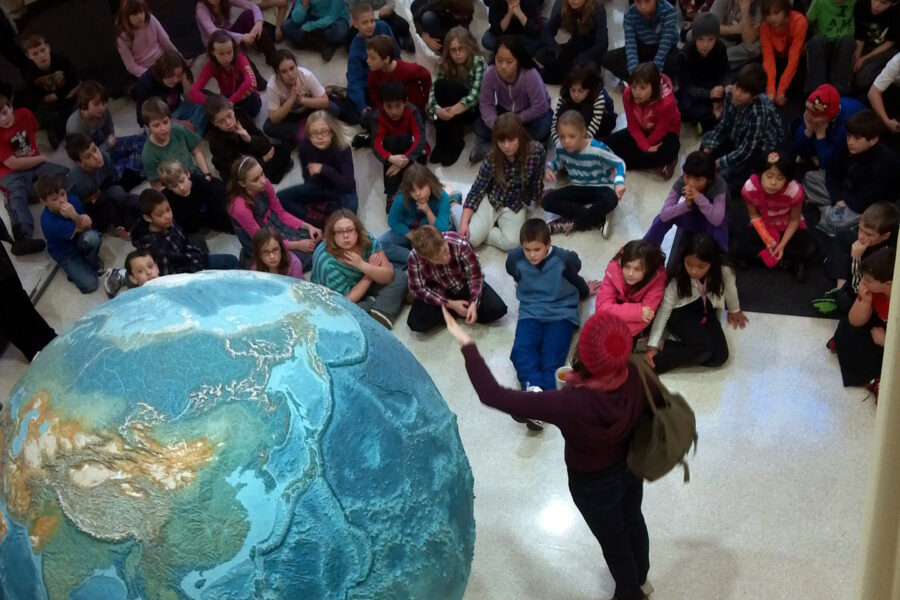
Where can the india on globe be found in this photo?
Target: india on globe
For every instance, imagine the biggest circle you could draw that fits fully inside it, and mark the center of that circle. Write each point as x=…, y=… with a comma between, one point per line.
x=231, y=436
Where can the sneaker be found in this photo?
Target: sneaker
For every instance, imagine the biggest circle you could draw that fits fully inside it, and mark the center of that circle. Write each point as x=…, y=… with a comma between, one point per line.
x=824, y=306
x=565, y=226
x=362, y=140
x=647, y=588
x=328, y=51
x=408, y=44
x=605, y=229
x=23, y=246
x=479, y=151
x=455, y=198
x=121, y=233
x=666, y=171
x=873, y=387
x=101, y=267
x=831, y=345
x=381, y=318
x=113, y=281
x=534, y=424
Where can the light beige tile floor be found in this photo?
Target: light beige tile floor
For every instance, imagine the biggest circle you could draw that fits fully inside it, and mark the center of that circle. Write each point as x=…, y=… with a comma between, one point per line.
x=773, y=510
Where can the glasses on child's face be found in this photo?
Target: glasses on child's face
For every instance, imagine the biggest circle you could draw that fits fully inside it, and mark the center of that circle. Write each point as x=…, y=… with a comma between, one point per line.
x=320, y=133
x=271, y=252
x=348, y=231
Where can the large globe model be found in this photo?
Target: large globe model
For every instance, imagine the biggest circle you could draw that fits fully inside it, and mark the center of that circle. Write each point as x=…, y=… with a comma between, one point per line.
x=228, y=437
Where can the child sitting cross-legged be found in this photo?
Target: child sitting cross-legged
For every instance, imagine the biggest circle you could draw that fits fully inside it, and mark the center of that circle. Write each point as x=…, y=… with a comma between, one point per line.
x=596, y=179
x=582, y=90
x=383, y=67
x=94, y=119
x=364, y=20
x=234, y=134
x=52, y=82
x=197, y=202
x=696, y=204
x=351, y=262
x=95, y=181
x=71, y=240
x=399, y=137
x=549, y=288
x=444, y=272
x=633, y=285
x=859, y=339
x=422, y=201
x=651, y=140
x=774, y=201
x=232, y=71
x=509, y=181
x=271, y=256
x=703, y=74
x=702, y=283
x=877, y=229
x=158, y=232
x=169, y=140
x=782, y=37
x=293, y=92
x=140, y=267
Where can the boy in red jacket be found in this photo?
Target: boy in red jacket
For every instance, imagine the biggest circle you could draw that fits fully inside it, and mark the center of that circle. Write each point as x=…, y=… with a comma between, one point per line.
x=399, y=136
x=383, y=67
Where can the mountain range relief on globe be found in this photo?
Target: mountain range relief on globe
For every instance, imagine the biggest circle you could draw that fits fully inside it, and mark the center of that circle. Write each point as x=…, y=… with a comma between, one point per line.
x=231, y=436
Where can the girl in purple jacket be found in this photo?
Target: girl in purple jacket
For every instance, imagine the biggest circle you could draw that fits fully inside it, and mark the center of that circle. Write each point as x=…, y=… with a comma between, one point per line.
x=512, y=84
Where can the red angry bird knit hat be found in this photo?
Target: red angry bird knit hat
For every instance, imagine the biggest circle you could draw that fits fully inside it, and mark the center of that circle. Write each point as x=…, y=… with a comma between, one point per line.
x=604, y=345
x=824, y=101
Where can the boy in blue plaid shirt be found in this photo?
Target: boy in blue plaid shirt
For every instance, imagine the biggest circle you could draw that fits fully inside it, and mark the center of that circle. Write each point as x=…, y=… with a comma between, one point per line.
x=158, y=233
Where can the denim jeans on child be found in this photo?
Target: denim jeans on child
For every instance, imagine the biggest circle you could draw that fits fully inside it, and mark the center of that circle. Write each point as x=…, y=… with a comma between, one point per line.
x=539, y=349
x=222, y=262
x=82, y=265
x=396, y=247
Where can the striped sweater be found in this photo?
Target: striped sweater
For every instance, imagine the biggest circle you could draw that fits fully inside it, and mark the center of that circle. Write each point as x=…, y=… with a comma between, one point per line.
x=659, y=30
x=595, y=165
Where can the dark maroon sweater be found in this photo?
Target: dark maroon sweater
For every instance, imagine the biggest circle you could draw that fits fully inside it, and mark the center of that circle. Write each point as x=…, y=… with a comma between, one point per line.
x=595, y=425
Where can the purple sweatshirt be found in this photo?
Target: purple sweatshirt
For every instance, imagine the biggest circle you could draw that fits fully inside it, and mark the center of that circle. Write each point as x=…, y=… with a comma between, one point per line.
x=140, y=49
x=527, y=96
x=595, y=425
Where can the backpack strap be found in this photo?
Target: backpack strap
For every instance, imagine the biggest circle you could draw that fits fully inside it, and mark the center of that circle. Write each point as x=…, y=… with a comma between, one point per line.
x=642, y=371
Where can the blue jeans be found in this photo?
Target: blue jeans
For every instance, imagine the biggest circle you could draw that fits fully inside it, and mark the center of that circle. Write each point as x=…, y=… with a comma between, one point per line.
x=396, y=247
x=538, y=129
x=610, y=502
x=188, y=111
x=81, y=266
x=539, y=349
x=222, y=262
x=334, y=34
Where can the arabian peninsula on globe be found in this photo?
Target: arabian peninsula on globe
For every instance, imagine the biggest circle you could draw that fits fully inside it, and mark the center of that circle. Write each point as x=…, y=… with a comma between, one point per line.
x=231, y=437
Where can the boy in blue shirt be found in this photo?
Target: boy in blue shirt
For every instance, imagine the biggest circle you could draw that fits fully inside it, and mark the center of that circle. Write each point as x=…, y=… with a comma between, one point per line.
x=549, y=288
x=651, y=33
x=70, y=240
x=596, y=176
x=360, y=110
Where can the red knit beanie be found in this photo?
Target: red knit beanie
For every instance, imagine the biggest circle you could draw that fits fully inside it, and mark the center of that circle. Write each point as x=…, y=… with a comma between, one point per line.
x=824, y=101
x=604, y=345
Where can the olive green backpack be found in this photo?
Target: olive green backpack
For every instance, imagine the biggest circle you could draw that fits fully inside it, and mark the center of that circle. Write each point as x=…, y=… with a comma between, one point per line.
x=663, y=437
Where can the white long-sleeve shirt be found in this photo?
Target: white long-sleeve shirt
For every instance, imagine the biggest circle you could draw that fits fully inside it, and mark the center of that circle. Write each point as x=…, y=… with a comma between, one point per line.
x=728, y=299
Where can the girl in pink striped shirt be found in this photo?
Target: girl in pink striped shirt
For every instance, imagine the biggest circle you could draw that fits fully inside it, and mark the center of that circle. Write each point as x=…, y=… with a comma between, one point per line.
x=232, y=71
x=774, y=201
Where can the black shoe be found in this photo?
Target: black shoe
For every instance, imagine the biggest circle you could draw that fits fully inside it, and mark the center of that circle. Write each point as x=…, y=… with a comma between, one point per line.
x=328, y=51
x=362, y=140
x=25, y=246
x=53, y=138
x=451, y=155
x=408, y=44
x=437, y=155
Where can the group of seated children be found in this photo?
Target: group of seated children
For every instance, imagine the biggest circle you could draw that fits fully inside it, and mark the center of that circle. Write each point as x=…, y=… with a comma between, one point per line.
x=739, y=199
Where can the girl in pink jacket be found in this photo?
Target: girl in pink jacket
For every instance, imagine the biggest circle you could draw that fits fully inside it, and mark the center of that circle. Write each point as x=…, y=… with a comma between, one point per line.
x=232, y=71
x=634, y=285
x=651, y=140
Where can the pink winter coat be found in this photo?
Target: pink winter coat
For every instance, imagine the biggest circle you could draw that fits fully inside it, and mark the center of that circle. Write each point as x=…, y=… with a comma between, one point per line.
x=616, y=299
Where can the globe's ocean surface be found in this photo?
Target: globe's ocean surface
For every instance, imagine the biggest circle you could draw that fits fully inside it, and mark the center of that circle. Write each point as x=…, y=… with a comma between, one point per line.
x=231, y=436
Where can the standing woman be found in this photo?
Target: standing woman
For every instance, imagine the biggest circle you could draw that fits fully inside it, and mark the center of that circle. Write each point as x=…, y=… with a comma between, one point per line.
x=585, y=21
x=140, y=37
x=246, y=30
x=595, y=412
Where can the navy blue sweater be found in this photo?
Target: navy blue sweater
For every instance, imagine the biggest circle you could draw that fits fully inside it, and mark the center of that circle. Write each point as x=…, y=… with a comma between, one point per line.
x=551, y=289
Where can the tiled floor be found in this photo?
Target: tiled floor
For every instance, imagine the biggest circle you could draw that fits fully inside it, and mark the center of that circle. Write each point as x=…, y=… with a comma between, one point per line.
x=774, y=506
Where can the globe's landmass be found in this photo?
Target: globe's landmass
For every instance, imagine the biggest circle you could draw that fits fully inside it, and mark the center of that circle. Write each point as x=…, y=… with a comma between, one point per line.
x=228, y=436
